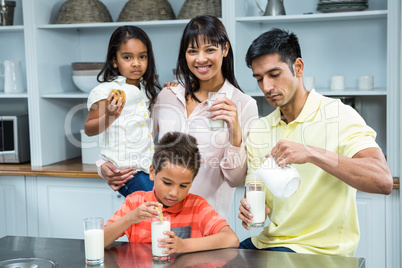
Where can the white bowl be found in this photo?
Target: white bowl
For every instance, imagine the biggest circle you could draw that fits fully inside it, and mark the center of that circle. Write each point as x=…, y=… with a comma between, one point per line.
x=85, y=83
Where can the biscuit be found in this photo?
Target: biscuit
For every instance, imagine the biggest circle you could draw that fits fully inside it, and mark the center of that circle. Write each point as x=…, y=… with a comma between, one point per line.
x=118, y=93
x=161, y=214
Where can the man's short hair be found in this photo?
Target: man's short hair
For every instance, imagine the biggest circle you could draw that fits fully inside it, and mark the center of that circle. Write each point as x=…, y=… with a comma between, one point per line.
x=275, y=41
x=177, y=148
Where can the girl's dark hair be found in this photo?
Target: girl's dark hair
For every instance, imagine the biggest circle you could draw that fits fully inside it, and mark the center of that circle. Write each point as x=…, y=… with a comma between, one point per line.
x=120, y=36
x=275, y=41
x=213, y=31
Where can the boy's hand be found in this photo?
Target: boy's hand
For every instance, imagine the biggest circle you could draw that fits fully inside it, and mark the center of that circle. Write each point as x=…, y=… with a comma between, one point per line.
x=145, y=211
x=174, y=243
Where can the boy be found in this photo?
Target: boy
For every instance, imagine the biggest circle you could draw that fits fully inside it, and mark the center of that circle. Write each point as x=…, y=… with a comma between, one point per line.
x=195, y=224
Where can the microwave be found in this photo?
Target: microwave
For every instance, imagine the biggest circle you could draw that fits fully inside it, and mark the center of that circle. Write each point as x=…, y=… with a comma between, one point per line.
x=14, y=139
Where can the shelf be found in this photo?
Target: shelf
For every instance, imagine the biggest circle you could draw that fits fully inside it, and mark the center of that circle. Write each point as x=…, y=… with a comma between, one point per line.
x=12, y=28
x=13, y=95
x=66, y=95
x=357, y=15
x=327, y=92
x=105, y=25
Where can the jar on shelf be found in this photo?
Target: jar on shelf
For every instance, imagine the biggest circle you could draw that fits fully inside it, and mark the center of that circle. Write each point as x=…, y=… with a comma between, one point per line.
x=140, y=10
x=83, y=11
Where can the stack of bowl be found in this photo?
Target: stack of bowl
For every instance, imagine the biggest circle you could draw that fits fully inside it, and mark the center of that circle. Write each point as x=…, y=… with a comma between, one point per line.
x=85, y=73
x=328, y=6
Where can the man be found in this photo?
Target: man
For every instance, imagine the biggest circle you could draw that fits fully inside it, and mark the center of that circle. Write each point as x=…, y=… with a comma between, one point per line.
x=326, y=141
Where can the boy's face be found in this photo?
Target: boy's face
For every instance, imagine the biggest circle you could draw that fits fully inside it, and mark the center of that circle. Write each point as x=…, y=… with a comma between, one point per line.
x=172, y=183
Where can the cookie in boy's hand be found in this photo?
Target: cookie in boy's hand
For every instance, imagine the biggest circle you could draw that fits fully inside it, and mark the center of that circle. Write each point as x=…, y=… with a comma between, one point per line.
x=118, y=93
x=160, y=214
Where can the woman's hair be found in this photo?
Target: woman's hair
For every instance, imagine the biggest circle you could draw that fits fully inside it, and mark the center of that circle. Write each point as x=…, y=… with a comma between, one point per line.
x=212, y=30
x=275, y=41
x=120, y=36
x=177, y=148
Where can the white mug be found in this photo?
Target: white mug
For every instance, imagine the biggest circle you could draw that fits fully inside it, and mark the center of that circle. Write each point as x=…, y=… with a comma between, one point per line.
x=337, y=82
x=12, y=76
x=309, y=82
x=366, y=82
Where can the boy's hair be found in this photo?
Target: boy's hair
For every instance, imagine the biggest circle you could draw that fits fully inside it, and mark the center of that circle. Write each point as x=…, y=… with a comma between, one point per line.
x=121, y=35
x=177, y=148
x=212, y=30
x=275, y=41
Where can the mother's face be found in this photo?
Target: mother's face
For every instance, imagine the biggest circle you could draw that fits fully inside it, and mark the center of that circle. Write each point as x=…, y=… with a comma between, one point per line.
x=205, y=60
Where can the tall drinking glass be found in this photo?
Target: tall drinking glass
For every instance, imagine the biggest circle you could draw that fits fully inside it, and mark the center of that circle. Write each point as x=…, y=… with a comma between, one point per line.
x=158, y=226
x=212, y=97
x=93, y=239
x=255, y=196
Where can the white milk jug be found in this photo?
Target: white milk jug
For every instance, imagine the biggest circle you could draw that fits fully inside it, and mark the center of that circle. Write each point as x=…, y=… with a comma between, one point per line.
x=282, y=182
x=12, y=76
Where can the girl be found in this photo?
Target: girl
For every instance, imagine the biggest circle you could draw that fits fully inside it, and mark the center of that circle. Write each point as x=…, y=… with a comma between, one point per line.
x=125, y=123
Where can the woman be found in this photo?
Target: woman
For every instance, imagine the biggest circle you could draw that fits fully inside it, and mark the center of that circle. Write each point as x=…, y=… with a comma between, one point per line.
x=206, y=63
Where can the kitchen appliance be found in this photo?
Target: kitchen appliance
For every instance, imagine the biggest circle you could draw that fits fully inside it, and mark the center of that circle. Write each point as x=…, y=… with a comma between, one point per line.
x=14, y=139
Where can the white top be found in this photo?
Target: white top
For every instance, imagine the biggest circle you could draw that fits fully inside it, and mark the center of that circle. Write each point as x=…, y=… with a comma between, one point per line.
x=223, y=166
x=128, y=141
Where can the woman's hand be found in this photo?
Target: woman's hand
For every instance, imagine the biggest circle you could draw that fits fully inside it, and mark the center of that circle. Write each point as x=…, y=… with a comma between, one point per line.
x=115, y=177
x=225, y=109
x=170, y=84
x=114, y=106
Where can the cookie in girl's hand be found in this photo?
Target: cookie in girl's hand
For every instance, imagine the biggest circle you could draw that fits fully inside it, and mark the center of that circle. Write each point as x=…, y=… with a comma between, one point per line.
x=118, y=93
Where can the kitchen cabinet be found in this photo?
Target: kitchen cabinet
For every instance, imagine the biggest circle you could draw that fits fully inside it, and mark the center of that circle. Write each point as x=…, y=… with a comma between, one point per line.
x=345, y=43
x=13, y=208
x=63, y=203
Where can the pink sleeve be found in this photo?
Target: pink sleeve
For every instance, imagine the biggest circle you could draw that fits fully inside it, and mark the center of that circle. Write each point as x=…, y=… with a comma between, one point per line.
x=234, y=162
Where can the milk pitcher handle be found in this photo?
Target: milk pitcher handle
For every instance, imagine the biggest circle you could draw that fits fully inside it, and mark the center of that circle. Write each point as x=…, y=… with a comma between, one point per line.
x=262, y=11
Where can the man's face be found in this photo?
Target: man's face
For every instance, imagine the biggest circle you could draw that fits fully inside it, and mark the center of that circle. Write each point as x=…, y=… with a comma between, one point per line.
x=275, y=79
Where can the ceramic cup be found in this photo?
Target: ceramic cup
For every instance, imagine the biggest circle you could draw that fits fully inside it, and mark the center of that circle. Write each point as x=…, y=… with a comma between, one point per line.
x=366, y=82
x=337, y=82
x=12, y=76
x=309, y=82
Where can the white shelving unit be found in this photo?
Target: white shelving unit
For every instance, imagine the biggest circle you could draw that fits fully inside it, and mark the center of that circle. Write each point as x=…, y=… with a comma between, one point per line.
x=344, y=43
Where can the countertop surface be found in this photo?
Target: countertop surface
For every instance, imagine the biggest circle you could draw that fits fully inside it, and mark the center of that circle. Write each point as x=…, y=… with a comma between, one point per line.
x=68, y=168
x=70, y=253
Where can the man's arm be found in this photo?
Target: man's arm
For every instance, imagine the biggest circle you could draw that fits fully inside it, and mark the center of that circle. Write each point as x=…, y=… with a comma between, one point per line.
x=366, y=171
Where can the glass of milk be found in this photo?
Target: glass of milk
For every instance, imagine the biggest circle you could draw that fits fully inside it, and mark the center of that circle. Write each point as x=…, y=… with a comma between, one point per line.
x=212, y=97
x=255, y=196
x=157, y=229
x=93, y=239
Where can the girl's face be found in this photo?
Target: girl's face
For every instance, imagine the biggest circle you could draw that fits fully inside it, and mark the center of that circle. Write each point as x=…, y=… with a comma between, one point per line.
x=205, y=61
x=132, y=60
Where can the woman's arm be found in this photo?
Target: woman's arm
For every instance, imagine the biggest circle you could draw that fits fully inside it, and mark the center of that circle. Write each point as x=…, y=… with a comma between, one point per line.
x=234, y=162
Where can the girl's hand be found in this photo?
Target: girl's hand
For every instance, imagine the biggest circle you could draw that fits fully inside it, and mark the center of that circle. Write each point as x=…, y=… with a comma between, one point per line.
x=115, y=106
x=145, y=211
x=170, y=84
x=225, y=109
x=174, y=243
